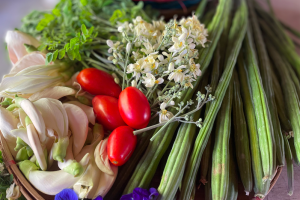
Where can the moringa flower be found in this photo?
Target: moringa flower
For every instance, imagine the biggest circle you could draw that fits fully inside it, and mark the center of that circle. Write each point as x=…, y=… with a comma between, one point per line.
x=165, y=115
x=178, y=74
x=149, y=80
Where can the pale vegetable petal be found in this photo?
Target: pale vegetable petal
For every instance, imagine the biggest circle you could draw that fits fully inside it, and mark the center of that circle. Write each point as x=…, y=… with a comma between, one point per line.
x=36, y=146
x=13, y=192
x=55, y=92
x=101, y=157
x=52, y=115
x=15, y=43
x=106, y=181
x=89, y=111
x=34, y=115
x=21, y=133
x=8, y=122
x=78, y=122
x=32, y=59
x=91, y=177
x=52, y=182
x=22, y=116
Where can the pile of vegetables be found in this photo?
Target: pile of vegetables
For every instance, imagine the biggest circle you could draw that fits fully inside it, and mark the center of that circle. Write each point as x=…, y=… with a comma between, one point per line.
x=109, y=97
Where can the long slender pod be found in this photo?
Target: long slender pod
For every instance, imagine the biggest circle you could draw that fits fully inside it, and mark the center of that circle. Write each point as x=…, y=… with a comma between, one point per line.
x=261, y=110
x=287, y=51
x=265, y=70
x=215, y=75
x=174, y=169
x=284, y=121
x=241, y=138
x=220, y=158
x=290, y=95
x=258, y=174
x=233, y=177
x=236, y=36
x=200, y=10
x=289, y=165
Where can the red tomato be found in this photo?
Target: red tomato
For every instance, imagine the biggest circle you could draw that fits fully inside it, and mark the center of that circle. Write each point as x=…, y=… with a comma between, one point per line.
x=98, y=82
x=134, y=108
x=107, y=112
x=120, y=145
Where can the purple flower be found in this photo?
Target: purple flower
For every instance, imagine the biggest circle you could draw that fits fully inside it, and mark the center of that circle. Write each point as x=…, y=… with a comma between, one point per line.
x=99, y=198
x=141, y=194
x=66, y=194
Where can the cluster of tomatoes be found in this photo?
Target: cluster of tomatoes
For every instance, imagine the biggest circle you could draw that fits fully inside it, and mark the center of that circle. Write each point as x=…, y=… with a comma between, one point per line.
x=118, y=111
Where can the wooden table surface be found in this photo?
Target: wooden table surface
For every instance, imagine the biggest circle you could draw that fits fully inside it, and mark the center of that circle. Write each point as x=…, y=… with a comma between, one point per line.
x=287, y=10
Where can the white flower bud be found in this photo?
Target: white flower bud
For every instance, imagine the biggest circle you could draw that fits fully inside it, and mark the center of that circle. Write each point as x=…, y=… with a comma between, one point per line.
x=115, y=55
x=110, y=58
x=128, y=47
x=160, y=57
x=117, y=80
x=114, y=75
x=133, y=83
x=115, y=61
x=171, y=66
x=109, y=43
x=121, y=28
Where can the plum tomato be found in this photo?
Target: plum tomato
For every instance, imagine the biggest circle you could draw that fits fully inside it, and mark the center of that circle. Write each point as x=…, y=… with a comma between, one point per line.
x=134, y=108
x=98, y=82
x=107, y=112
x=120, y=145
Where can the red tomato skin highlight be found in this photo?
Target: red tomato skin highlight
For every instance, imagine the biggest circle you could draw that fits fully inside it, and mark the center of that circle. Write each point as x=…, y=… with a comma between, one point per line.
x=107, y=112
x=120, y=145
x=98, y=82
x=134, y=108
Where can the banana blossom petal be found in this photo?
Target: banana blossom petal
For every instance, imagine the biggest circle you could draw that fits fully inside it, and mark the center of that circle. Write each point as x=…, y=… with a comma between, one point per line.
x=50, y=182
x=55, y=92
x=89, y=111
x=101, y=157
x=15, y=43
x=79, y=126
x=8, y=122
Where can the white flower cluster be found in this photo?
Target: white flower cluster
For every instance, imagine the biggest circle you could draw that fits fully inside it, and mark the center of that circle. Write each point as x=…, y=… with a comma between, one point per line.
x=159, y=52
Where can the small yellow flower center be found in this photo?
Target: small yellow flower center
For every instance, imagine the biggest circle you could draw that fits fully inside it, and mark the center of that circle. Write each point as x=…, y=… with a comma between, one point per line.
x=146, y=60
x=138, y=67
x=180, y=45
x=193, y=67
x=153, y=66
x=164, y=112
x=156, y=82
x=179, y=70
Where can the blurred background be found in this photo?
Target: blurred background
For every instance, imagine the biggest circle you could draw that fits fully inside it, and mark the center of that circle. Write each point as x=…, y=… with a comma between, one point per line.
x=12, y=11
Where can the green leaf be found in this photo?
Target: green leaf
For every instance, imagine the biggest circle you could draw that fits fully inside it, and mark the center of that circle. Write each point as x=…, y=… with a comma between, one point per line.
x=42, y=47
x=55, y=54
x=71, y=54
x=91, y=30
x=73, y=41
x=83, y=38
x=84, y=2
x=67, y=46
x=49, y=57
x=56, y=12
x=84, y=30
x=62, y=53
